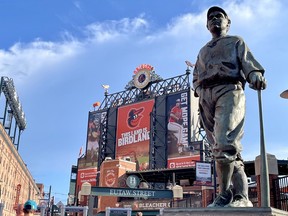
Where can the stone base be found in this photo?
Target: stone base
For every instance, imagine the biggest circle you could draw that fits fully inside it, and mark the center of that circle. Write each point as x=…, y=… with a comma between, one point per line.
x=267, y=211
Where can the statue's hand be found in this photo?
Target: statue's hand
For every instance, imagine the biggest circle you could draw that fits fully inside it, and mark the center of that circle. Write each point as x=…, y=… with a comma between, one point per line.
x=257, y=81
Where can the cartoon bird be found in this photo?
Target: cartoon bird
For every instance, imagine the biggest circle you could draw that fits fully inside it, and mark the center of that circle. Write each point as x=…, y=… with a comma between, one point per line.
x=134, y=117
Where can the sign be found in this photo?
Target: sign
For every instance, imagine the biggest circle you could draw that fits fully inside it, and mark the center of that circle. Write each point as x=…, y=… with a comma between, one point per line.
x=93, y=137
x=132, y=181
x=133, y=133
x=128, y=192
x=86, y=175
x=179, y=149
x=203, y=174
x=143, y=67
x=75, y=208
x=142, y=75
x=147, y=204
x=118, y=211
x=110, y=177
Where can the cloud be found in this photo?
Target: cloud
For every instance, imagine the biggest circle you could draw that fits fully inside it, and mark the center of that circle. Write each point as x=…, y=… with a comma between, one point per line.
x=25, y=60
x=115, y=29
x=257, y=17
x=77, y=4
x=182, y=34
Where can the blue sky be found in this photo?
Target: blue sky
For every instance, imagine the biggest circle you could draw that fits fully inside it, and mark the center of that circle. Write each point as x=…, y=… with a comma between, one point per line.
x=59, y=53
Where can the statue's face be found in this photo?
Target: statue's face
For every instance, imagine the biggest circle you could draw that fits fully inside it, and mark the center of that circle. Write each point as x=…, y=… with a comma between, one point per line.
x=217, y=22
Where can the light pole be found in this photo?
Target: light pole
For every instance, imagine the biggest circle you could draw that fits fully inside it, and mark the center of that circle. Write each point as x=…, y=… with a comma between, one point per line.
x=105, y=87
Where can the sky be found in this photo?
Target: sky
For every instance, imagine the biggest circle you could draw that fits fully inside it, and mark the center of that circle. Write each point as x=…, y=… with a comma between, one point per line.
x=59, y=53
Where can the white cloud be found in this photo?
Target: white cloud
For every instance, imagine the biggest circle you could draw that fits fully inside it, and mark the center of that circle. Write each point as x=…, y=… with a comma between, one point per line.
x=255, y=18
x=25, y=60
x=77, y=4
x=112, y=29
x=175, y=40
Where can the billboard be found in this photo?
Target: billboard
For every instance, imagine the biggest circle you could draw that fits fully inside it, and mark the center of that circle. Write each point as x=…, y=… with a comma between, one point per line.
x=179, y=149
x=86, y=175
x=87, y=166
x=133, y=133
x=93, y=136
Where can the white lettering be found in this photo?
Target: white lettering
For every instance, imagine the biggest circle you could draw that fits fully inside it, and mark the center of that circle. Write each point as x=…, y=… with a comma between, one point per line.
x=133, y=137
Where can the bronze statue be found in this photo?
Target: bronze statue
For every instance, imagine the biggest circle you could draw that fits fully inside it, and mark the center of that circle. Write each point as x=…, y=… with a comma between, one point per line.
x=223, y=67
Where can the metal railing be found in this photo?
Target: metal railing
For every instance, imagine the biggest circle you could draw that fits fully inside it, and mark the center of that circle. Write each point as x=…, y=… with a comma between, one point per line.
x=281, y=193
x=156, y=88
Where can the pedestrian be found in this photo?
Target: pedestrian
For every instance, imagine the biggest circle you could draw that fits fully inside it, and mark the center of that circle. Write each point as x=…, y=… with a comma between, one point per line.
x=222, y=68
x=29, y=208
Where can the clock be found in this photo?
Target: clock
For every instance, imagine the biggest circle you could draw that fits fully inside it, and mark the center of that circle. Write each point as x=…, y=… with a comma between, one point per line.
x=142, y=78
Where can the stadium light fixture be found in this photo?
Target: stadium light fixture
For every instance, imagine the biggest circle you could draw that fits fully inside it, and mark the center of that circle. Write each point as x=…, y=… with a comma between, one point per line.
x=105, y=87
x=7, y=86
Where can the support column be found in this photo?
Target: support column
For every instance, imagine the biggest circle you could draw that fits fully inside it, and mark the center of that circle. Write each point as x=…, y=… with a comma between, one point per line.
x=85, y=210
x=42, y=210
x=272, y=173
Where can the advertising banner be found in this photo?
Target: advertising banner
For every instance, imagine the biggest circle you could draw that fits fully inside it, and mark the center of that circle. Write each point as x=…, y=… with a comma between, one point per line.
x=86, y=175
x=133, y=133
x=93, y=136
x=180, y=153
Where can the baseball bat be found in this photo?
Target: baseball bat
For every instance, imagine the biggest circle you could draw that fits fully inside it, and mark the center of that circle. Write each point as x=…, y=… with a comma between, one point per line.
x=264, y=177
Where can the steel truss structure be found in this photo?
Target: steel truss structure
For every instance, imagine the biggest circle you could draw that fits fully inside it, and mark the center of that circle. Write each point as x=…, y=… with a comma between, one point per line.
x=13, y=117
x=157, y=90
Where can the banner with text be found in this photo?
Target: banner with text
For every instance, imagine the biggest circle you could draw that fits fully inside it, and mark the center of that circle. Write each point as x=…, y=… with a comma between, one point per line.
x=180, y=153
x=86, y=175
x=133, y=133
x=203, y=174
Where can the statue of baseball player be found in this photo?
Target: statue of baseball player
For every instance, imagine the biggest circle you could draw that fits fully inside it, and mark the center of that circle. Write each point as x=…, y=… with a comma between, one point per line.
x=223, y=67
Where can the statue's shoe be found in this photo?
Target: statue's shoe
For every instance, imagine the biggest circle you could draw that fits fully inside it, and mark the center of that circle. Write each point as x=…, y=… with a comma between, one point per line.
x=222, y=200
x=240, y=201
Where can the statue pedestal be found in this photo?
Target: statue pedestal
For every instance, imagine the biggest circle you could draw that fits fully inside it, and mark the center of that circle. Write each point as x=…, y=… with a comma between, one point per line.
x=272, y=174
x=266, y=211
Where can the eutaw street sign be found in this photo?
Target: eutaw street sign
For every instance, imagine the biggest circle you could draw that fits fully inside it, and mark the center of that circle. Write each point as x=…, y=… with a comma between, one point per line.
x=129, y=192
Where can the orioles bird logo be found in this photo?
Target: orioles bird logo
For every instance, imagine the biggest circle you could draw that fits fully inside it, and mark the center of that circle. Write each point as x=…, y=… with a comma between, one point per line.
x=134, y=117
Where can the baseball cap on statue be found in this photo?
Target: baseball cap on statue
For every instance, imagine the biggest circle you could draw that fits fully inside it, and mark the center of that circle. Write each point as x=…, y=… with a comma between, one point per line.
x=30, y=205
x=216, y=8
